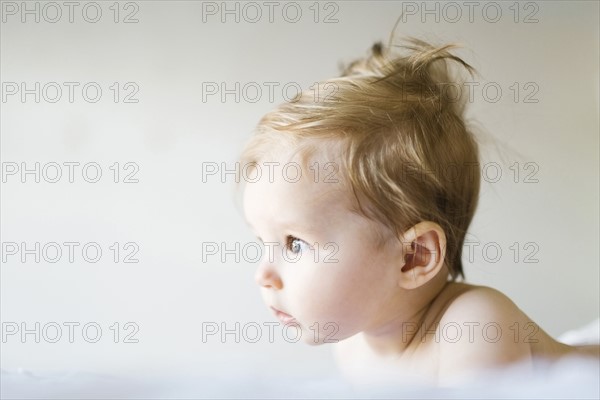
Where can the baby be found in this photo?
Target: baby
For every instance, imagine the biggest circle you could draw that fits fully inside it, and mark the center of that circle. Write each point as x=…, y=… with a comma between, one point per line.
x=362, y=190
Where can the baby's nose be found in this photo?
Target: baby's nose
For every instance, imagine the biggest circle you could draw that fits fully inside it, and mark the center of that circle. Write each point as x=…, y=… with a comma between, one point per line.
x=267, y=277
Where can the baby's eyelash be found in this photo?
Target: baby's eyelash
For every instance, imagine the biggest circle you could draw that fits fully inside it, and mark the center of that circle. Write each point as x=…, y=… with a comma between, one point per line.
x=289, y=240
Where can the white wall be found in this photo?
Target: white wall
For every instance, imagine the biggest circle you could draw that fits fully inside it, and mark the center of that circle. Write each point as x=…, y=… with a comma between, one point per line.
x=171, y=132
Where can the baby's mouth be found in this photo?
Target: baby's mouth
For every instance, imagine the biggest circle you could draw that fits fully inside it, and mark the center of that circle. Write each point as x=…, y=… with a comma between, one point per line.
x=283, y=317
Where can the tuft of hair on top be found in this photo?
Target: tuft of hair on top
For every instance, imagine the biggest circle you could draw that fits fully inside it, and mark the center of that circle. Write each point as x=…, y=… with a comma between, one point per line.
x=406, y=152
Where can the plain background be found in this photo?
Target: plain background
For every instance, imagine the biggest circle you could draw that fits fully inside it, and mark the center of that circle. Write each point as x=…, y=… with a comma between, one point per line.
x=172, y=132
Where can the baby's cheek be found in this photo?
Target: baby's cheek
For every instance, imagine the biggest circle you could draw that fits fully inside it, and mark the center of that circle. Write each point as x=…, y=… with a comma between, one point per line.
x=335, y=298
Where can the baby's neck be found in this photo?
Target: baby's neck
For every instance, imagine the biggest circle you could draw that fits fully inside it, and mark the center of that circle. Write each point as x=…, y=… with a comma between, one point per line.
x=398, y=336
x=394, y=349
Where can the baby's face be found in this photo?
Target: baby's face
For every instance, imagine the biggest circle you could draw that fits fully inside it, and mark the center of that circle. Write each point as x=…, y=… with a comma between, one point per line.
x=320, y=263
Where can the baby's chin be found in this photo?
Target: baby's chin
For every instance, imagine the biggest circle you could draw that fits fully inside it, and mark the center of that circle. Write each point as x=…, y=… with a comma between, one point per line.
x=329, y=333
x=314, y=340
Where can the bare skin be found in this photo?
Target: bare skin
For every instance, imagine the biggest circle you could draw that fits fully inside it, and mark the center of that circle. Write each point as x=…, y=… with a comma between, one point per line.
x=447, y=348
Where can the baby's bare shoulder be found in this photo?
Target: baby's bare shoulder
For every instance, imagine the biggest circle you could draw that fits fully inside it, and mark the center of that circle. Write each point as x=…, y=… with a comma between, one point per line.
x=480, y=328
x=470, y=302
x=490, y=316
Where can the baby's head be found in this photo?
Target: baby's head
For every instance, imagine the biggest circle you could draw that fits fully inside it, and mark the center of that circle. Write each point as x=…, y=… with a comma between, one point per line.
x=362, y=190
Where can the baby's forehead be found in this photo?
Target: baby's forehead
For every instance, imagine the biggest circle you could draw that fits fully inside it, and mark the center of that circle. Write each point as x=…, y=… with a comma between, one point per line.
x=313, y=179
x=312, y=183
x=310, y=161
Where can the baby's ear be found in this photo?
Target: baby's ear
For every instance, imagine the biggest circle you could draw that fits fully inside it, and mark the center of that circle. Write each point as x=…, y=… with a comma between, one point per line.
x=424, y=248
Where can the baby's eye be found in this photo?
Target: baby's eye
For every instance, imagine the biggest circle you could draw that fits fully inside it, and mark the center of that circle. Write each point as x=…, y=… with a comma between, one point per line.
x=295, y=245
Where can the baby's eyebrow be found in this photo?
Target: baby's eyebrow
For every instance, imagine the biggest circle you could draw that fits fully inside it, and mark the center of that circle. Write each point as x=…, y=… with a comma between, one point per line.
x=285, y=225
x=298, y=227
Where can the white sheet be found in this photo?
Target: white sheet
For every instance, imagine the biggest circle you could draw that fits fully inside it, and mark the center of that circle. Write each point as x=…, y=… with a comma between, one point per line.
x=589, y=334
x=573, y=377
x=570, y=378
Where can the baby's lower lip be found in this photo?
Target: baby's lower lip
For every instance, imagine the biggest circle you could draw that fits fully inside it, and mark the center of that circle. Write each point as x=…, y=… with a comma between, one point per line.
x=283, y=317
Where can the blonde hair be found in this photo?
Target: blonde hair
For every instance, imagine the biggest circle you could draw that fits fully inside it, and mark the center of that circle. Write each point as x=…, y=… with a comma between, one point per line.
x=401, y=128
